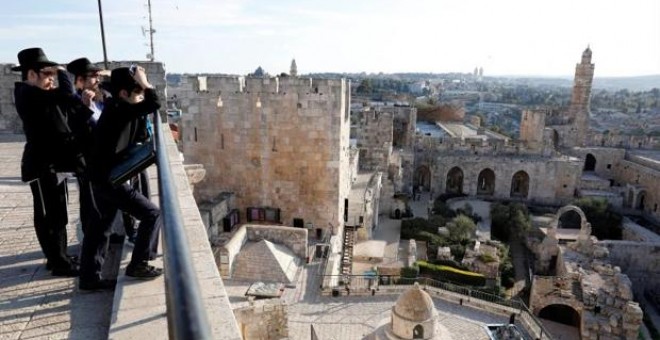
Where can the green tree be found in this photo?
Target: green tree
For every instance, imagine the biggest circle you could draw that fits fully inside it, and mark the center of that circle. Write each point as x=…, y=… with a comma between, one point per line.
x=461, y=229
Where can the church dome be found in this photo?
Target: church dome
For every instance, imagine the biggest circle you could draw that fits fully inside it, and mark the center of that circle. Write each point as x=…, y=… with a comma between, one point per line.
x=415, y=305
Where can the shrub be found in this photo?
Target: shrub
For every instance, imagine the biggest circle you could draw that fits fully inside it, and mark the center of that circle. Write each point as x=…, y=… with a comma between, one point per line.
x=447, y=273
x=487, y=258
x=410, y=272
x=461, y=228
x=509, y=220
x=458, y=251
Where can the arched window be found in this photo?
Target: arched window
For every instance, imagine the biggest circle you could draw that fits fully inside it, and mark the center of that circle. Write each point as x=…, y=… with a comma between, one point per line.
x=520, y=184
x=590, y=163
x=486, y=182
x=454, y=181
x=418, y=332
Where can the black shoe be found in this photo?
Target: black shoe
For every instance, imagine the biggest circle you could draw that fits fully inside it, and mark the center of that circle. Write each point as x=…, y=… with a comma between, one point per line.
x=143, y=271
x=68, y=271
x=74, y=260
x=97, y=285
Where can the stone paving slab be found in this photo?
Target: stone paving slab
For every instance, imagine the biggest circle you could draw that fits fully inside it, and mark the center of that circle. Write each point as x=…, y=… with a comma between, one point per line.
x=34, y=304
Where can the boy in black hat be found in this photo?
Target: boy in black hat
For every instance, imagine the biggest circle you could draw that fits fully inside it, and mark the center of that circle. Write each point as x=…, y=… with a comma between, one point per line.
x=49, y=113
x=132, y=97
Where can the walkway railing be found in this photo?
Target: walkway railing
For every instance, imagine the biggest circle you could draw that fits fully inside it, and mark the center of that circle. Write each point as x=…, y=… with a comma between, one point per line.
x=361, y=284
x=186, y=316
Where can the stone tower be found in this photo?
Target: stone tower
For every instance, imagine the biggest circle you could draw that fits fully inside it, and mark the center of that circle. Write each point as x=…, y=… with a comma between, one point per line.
x=578, y=112
x=294, y=68
x=532, y=124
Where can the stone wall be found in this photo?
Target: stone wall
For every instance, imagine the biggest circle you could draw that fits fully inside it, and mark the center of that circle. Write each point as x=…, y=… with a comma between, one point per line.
x=374, y=139
x=9, y=121
x=551, y=180
x=639, y=260
x=532, y=125
x=607, y=159
x=274, y=142
x=293, y=238
x=635, y=232
x=263, y=321
x=614, y=140
x=641, y=179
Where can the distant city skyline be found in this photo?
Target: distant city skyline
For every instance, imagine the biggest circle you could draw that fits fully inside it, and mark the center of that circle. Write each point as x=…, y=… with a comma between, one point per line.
x=508, y=37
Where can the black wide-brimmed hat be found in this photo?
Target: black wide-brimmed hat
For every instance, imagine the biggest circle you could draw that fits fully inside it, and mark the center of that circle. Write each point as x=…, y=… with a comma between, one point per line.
x=82, y=66
x=122, y=79
x=32, y=58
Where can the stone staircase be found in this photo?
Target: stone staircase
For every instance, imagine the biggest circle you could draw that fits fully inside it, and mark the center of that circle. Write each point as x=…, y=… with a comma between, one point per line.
x=347, y=256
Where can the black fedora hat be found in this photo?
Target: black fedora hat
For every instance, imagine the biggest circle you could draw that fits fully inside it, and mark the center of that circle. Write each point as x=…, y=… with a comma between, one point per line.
x=122, y=79
x=82, y=66
x=32, y=58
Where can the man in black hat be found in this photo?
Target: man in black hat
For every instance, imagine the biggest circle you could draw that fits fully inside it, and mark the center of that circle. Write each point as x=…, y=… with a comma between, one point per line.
x=87, y=79
x=48, y=113
x=132, y=97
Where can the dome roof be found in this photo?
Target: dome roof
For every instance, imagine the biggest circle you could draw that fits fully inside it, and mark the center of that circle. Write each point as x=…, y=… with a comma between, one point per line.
x=415, y=305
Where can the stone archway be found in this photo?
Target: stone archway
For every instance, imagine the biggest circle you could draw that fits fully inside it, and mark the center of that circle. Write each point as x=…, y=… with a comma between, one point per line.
x=585, y=226
x=589, y=163
x=570, y=219
x=486, y=182
x=422, y=177
x=563, y=314
x=520, y=184
x=454, y=184
x=418, y=332
x=640, y=203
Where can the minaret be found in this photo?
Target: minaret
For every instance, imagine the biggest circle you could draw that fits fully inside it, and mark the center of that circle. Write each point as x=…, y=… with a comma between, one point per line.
x=580, y=108
x=294, y=68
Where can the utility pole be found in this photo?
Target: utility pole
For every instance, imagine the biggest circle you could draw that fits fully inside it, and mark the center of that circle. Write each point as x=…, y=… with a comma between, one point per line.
x=151, y=33
x=105, y=53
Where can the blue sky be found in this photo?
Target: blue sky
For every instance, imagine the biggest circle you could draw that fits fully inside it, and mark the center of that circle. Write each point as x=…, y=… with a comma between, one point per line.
x=506, y=37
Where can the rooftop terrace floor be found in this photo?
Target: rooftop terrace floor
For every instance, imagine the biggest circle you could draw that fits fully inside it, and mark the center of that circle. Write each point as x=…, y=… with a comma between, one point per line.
x=34, y=304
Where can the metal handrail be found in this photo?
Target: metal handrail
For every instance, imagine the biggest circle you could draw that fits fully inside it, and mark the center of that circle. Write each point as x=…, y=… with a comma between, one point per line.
x=186, y=316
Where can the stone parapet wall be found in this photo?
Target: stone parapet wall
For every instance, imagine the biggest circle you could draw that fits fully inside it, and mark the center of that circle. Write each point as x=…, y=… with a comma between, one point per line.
x=635, y=232
x=226, y=253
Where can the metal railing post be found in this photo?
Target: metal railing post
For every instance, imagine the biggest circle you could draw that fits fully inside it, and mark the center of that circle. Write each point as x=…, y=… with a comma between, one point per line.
x=186, y=316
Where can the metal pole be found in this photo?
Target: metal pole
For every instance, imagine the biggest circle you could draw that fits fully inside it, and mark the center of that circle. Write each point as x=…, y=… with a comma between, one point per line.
x=151, y=33
x=105, y=53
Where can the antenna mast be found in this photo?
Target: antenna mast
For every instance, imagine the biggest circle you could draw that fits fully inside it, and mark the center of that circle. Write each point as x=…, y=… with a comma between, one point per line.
x=151, y=33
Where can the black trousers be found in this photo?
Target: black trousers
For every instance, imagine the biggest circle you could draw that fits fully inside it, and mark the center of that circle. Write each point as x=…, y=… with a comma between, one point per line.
x=109, y=200
x=140, y=183
x=88, y=210
x=50, y=218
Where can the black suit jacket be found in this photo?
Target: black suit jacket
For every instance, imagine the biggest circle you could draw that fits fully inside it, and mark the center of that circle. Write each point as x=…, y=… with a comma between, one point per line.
x=119, y=128
x=50, y=121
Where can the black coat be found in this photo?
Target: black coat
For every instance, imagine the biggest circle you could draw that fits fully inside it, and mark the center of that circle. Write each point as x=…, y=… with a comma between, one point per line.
x=119, y=128
x=51, y=120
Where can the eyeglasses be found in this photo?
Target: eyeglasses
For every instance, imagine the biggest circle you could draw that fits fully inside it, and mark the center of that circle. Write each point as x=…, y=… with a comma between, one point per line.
x=47, y=73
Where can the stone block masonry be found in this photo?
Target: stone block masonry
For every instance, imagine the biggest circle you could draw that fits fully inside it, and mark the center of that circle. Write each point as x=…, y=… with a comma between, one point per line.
x=273, y=142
